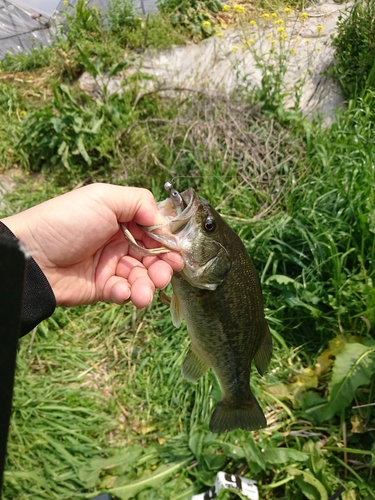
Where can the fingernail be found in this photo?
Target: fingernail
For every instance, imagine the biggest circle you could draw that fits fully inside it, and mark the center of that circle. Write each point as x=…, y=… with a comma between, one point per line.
x=127, y=299
x=151, y=297
x=167, y=283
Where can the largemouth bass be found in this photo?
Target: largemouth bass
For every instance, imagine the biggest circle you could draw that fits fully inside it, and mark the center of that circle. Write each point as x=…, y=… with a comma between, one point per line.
x=218, y=293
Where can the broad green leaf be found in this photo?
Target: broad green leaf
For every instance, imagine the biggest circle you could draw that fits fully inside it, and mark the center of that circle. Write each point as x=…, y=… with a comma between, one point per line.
x=253, y=455
x=66, y=91
x=82, y=150
x=90, y=66
x=354, y=366
x=96, y=126
x=232, y=450
x=116, y=68
x=310, y=486
x=118, y=464
x=282, y=280
x=284, y=455
x=153, y=480
x=196, y=444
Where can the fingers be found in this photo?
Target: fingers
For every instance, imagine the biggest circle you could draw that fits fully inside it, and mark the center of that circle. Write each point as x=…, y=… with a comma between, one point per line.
x=128, y=203
x=142, y=288
x=116, y=290
x=143, y=278
x=160, y=273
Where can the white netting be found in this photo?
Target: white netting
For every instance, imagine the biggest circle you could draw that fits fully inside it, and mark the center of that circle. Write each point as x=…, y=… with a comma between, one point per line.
x=23, y=28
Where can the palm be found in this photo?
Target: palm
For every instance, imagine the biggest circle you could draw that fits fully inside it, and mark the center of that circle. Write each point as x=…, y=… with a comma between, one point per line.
x=77, y=242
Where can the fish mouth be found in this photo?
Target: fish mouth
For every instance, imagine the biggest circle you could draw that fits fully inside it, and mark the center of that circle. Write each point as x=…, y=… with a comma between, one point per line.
x=179, y=229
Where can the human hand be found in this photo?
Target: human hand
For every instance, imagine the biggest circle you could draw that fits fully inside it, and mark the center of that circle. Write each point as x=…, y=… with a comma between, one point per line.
x=76, y=241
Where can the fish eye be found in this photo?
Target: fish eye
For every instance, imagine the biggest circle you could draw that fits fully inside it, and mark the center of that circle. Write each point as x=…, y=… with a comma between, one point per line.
x=209, y=224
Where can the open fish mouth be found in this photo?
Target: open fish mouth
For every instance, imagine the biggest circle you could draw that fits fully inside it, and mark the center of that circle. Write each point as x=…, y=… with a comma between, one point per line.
x=179, y=211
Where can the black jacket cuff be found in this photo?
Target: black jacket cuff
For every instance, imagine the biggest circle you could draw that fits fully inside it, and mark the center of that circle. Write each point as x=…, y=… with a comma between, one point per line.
x=38, y=298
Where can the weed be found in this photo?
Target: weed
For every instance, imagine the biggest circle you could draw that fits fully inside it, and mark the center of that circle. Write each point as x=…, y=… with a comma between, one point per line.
x=194, y=15
x=37, y=58
x=355, y=49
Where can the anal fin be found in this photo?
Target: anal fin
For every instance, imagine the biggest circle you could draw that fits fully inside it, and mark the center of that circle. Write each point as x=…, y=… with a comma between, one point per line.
x=193, y=368
x=264, y=352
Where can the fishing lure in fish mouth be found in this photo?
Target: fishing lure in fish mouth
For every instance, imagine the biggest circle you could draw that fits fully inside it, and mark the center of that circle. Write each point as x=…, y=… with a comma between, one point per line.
x=176, y=198
x=177, y=211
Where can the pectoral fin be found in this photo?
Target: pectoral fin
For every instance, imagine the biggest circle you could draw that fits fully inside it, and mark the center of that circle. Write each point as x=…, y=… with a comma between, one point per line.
x=193, y=368
x=264, y=352
x=176, y=311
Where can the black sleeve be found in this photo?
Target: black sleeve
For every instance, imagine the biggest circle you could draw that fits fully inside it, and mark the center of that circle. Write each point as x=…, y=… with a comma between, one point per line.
x=38, y=299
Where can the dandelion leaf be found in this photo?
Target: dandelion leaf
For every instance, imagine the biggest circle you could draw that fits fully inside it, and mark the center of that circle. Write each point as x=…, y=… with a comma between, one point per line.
x=309, y=485
x=353, y=367
x=153, y=480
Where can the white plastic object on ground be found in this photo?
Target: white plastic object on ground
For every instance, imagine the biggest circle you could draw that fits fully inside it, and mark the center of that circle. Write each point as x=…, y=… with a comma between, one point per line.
x=247, y=487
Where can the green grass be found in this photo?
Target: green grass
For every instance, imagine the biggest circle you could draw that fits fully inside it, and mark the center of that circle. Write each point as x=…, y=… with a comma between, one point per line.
x=100, y=403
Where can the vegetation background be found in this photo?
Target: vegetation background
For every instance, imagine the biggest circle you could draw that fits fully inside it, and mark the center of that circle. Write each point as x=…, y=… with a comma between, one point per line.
x=100, y=404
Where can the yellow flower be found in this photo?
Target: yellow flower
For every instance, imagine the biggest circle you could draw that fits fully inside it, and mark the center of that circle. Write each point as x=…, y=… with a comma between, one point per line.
x=225, y=8
x=65, y=2
x=269, y=35
x=220, y=35
x=287, y=10
x=250, y=41
x=273, y=42
x=273, y=14
x=307, y=41
x=318, y=49
x=252, y=23
x=23, y=113
x=294, y=52
x=278, y=21
x=265, y=16
x=281, y=29
x=255, y=35
x=319, y=27
x=282, y=36
x=206, y=24
x=304, y=15
x=239, y=9
x=296, y=39
x=234, y=48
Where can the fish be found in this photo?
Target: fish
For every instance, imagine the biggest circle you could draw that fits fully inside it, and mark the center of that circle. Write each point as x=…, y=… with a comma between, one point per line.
x=218, y=294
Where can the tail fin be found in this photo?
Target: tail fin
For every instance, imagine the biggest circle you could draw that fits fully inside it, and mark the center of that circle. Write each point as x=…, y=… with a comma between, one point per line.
x=227, y=416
